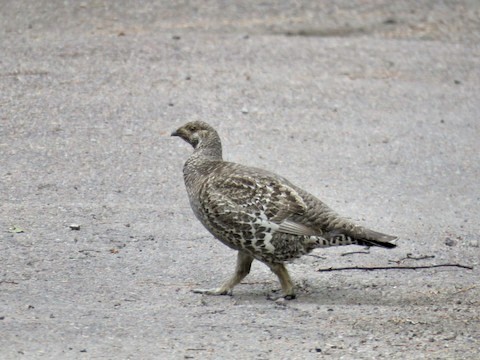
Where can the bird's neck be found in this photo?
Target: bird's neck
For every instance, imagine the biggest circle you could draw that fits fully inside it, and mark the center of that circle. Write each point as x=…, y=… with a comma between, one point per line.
x=209, y=149
x=204, y=160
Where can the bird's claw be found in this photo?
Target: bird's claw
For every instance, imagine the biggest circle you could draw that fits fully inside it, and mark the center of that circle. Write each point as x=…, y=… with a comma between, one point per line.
x=215, y=291
x=281, y=297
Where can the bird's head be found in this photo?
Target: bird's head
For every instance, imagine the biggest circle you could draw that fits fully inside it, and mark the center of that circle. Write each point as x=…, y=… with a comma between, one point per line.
x=201, y=136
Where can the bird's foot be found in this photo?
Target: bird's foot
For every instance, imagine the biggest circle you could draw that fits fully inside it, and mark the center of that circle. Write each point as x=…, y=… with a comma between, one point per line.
x=214, y=291
x=281, y=297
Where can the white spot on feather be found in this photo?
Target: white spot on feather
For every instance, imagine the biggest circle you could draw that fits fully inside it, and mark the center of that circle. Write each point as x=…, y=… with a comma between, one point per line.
x=270, y=229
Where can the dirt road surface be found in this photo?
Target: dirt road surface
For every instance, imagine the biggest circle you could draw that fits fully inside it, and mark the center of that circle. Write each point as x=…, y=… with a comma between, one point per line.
x=372, y=106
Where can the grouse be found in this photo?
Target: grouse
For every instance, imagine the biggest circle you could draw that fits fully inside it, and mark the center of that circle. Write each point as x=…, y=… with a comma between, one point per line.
x=260, y=214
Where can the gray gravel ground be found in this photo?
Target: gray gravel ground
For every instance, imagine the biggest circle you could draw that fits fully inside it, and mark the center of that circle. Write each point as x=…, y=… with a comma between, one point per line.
x=372, y=106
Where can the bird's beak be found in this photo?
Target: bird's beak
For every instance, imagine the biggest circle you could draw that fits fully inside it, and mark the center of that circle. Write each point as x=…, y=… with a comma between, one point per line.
x=181, y=133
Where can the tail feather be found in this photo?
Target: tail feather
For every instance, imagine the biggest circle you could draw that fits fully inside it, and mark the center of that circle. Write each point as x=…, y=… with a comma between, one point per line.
x=384, y=244
x=368, y=238
x=374, y=238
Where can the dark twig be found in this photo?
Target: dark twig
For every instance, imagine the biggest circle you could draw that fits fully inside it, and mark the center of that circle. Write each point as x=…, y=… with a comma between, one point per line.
x=396, y=267
x=8, y=282
x=317, y=256
x=421, y=257
x=411, y=257
x=465, y=289
x=355, y=252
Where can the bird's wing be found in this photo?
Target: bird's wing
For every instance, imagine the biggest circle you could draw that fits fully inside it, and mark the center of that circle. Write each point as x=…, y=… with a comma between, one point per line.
x=234, y=201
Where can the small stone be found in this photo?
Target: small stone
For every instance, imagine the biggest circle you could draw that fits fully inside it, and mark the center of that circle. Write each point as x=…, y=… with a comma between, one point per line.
x=449, y=241
x=16, y=230
x=74, y=226
x=450, y=337
x=176, y=37
x=389, y=21
x=473, y=243
x=244, y=110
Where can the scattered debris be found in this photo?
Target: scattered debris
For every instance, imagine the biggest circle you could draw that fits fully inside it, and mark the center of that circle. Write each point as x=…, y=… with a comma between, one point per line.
x=395, y=267
x=355, y=252
x=88, y=251
x=399, y=321
x=15, y=229
x=316, y=256
x=474, y=243
x=465, y=289
x=8, y=282
x=196, y=349
x=450, y=242
x=411, y=257
x=421, y=257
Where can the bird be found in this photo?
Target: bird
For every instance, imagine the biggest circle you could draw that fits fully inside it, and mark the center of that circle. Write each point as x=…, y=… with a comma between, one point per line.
x=260, y=214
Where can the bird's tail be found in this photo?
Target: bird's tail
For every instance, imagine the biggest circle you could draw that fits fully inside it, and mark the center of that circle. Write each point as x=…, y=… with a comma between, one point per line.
x=384, y=244
x=374, y=238
x=367, y=238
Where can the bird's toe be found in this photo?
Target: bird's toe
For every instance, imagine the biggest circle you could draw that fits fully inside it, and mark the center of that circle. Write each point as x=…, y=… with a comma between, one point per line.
x=214, y=291
x=274, y=297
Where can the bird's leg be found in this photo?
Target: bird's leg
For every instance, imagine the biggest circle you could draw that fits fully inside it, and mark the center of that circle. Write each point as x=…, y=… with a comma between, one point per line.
x=282, y=273
x=244, y=263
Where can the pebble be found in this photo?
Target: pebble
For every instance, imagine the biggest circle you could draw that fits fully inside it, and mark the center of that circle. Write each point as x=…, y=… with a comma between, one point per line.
x=449, y=241
x=474, y=243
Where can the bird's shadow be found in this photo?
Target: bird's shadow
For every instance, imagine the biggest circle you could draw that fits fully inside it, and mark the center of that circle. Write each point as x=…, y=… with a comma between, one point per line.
x=350, y=295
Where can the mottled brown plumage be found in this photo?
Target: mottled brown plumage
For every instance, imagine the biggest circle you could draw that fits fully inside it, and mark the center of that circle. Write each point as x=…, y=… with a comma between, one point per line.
x=258, y=213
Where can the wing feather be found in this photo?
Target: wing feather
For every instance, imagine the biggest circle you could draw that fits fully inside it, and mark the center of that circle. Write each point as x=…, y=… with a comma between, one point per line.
x=237, y=200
